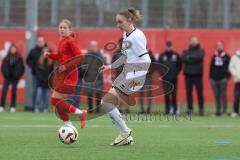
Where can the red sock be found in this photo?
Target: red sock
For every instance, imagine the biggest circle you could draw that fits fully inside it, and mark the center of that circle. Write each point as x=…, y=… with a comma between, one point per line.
x=62, y=111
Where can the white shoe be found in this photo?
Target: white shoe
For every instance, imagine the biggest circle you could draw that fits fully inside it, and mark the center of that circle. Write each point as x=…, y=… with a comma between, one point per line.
x=128, y=141
x=2, y=109
x=234, y=115
x=12, y=109
x=45, y=110
x=122, y=138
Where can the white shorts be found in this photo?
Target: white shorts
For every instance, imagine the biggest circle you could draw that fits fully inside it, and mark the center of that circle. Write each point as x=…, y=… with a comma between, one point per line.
x=132, y=78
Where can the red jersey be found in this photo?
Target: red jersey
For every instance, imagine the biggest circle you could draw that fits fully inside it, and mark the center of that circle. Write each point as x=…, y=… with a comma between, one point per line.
x=67, y=50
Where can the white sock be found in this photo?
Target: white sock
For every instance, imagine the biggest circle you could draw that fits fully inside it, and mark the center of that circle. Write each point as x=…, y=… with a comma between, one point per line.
x=118, y=120
x=78, y=111
x=68, y=123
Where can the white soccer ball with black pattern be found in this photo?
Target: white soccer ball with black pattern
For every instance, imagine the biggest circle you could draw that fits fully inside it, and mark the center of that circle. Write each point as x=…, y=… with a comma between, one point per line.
x=68, y=134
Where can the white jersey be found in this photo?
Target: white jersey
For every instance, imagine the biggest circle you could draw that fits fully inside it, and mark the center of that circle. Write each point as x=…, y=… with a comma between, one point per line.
x=134, y=47
x=133, y=75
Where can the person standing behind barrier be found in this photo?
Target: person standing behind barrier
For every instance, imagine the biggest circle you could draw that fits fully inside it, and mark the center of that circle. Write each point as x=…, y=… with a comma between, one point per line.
x=12, y=70
x=234, y=68
x=116, y=55
x=116, y=72
x=32, y=60
x=219, y=76
x=94, y=85
x=172, y=61
x=76, y=97
x=193, y=70
x=43, y=69
x=146, y=89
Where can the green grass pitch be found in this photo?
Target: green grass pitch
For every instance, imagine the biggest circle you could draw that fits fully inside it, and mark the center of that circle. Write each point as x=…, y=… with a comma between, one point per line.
x=29, y=136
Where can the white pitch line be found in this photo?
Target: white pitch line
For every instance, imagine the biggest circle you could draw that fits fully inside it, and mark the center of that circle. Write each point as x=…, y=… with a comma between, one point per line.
x=106, y=126
x=151, y=122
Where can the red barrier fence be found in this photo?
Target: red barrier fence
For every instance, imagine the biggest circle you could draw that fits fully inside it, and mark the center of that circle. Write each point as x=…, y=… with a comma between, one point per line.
x=156, y=42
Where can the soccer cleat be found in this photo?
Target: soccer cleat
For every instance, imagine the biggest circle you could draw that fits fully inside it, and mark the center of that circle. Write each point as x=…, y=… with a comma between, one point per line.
x=121, y=139
x=128, y=141
x=83, y=118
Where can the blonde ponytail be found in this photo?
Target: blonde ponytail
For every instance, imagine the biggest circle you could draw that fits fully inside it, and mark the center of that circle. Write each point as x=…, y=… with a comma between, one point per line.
x=136, y=14
x=131, y=13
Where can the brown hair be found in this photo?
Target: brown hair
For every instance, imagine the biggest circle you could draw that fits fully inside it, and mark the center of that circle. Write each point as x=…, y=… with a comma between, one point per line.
x=131, y=13
x=17, y=54
x=69, y=23
x=42, y=58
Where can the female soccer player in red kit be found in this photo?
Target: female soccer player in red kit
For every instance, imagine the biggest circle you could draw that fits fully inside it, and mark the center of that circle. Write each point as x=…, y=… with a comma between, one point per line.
x=68, y=49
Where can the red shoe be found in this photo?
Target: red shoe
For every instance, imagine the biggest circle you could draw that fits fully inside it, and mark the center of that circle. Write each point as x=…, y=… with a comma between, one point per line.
x=83, y=117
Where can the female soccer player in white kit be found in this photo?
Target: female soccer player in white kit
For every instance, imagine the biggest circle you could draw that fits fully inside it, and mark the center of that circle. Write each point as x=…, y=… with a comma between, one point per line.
x=136, y=62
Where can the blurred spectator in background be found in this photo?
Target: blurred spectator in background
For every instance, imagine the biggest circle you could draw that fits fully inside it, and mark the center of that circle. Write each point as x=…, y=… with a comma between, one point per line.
x=43, y=69
x=93, y=79
x=234, y=68
x=117, y=71
x=172, y=61
x=32, y=60
x=12, y=70
x=146, y=89
x=115, y=56
x=76, y=98
x=219, y=76
x=193, y=70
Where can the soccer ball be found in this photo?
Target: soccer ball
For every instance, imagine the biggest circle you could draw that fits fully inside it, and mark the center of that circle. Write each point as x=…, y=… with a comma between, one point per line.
x=68, y=134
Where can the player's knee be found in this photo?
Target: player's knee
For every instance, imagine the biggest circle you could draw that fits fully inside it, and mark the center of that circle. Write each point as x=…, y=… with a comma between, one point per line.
x=110, y=98
x=109, y=102
x=107, y=107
